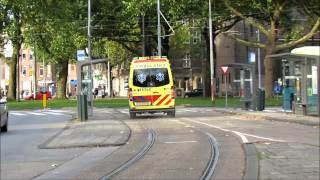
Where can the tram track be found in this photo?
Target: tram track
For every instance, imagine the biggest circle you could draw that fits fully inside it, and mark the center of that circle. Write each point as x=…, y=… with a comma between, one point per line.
x=206, y=174
x=135, y=158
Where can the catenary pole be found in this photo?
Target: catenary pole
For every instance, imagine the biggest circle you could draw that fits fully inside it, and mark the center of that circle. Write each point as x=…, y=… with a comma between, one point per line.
x=259, y=61
x=211, y=56
x=90, y=99
x=159, y=28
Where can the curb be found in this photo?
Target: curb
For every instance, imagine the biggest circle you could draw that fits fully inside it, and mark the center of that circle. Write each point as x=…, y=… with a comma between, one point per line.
x=252, y=162
x=68, y=125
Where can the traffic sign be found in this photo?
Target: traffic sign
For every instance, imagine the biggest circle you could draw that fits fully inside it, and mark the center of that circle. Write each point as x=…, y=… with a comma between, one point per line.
x=224, y=69
x=81, y=55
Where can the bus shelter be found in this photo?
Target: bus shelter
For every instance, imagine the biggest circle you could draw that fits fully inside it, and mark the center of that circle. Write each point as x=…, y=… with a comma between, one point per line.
x=300, y=74
x=248, y=86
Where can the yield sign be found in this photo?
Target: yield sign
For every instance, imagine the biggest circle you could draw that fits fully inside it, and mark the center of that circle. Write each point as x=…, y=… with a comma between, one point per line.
x=224, y=69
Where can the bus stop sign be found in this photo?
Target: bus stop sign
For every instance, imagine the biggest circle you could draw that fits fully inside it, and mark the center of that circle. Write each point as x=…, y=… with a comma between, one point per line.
x=224, y=69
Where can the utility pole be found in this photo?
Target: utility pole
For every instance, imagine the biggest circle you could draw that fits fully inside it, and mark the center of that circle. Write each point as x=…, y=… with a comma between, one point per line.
x=143, y=38
x=34, y=72
x=109, y=80
x=211, y=56
x=159, y=28
x=44, y=75
x=90, y=99
x=18, y=76
x=259, y=61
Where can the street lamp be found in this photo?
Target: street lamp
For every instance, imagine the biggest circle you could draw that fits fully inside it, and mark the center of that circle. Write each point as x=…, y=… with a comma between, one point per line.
x=90, y=99
x=159, y=28
x=259, y=60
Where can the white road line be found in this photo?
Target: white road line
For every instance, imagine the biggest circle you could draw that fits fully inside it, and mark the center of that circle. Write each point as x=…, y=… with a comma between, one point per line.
x=37, y=114
x=243, y=138
x=17, y=114
x=240, y=134
x=185, y=124
x=59, y=111
x=124, y=111
x=53, y=113
x=210, y=125
x=179, y=142
x=260, y=137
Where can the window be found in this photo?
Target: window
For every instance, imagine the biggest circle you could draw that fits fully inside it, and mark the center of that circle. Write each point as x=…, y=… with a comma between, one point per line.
x=252, y=33
x=41, y=70
x=186, y=61
x=24, y=71
x=196, y=38
x=23, y=56
x=30, y=57
x=154, y=77
x=48, y=68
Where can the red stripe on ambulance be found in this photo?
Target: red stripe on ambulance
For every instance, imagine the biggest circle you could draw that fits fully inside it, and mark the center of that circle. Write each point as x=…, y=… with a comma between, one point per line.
x=159, y=103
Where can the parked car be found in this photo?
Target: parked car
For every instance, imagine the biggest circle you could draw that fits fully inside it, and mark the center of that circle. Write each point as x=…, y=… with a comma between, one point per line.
x=3, y=114
x=193, y=93
x=39, y=96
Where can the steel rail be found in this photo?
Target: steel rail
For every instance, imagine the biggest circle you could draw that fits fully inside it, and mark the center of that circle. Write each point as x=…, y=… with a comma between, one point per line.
x=135, y=158
x=212, y=163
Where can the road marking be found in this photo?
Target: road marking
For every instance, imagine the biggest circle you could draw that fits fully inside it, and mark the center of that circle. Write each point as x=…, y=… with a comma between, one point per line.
x=59, y=111
x=185, y=124
x=243, y=138
x=179, y=142
x=53, y=113
x=240, y=134
x=260, y=137
x=17, y=114
x=37, y=114
x=124, y=111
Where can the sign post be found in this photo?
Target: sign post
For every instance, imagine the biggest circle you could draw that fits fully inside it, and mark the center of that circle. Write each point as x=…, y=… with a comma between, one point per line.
x=225, y=69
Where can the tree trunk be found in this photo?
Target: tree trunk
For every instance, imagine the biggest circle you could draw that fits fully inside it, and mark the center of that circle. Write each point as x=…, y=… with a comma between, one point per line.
x=207, y=78
x=12, y=79
x=269, y=65
x=62, y=80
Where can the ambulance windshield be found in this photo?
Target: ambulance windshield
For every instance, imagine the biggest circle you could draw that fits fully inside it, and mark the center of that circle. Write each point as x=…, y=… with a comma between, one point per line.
x=153, y=77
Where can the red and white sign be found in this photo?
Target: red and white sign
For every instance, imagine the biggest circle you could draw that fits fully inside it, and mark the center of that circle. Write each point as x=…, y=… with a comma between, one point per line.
x=224, y=69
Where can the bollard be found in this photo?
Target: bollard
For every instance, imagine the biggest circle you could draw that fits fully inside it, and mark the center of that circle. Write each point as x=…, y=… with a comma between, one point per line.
x=44, y=100
x=82, y=107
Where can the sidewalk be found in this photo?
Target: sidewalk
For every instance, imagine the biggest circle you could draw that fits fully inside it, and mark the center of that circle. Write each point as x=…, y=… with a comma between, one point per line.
x=274, y=114
x=95, y=132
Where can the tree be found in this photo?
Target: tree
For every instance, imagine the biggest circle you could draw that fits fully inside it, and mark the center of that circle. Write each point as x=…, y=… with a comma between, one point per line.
x=273, y=22
x=14, y=15
x=57, y=34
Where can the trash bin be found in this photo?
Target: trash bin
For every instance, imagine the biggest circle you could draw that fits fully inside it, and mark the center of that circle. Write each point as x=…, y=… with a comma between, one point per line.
x=261, y=99
x=245, y=103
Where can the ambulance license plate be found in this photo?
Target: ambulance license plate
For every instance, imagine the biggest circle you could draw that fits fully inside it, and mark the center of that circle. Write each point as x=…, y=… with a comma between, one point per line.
x=142, y=103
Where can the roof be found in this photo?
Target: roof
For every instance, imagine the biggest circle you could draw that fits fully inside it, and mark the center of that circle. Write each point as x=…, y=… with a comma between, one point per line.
x=150, y=59
x=302, y=52
x=307, y=50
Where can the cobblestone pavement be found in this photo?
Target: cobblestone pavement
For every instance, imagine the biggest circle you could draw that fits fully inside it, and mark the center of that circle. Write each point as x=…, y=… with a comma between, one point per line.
x=279, y=160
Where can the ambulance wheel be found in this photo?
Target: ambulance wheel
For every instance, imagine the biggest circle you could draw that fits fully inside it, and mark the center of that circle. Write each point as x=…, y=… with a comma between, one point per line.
x=171, y=113
x=133, y=115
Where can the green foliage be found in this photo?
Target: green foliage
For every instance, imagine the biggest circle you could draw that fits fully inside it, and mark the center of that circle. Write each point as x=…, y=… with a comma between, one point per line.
x=123, y=102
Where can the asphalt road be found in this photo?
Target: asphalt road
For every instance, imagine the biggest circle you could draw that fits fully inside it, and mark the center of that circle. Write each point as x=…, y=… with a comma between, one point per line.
x=198, y=143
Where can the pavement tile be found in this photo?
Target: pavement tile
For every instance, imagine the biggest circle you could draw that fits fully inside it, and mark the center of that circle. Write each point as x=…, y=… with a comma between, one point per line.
x=92, y=133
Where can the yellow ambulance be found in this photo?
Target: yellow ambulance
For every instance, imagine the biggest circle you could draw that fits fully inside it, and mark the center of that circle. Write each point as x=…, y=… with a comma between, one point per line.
x=151, y=87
